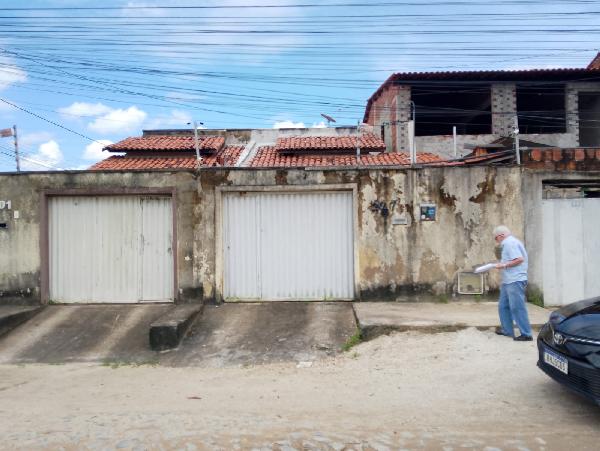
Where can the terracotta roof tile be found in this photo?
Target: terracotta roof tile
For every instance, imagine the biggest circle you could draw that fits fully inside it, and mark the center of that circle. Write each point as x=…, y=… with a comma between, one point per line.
x=368, y=143
x=227, y=157
x=167, y=143
x=123, y=163
x=271, y=157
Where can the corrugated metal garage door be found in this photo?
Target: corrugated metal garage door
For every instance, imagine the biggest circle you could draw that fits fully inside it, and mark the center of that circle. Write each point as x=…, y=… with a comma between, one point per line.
x=110, y=249
x=571, y=246
x=288, y=246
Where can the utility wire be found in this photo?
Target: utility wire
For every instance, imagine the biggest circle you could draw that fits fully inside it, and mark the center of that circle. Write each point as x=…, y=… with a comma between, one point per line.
x=48, y=120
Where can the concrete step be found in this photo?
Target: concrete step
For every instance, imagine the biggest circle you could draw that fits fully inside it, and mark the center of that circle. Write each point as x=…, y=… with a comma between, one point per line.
x=169, y=330
x=13, y=315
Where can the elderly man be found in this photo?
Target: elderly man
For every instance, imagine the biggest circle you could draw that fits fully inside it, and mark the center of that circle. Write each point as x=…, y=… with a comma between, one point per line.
x=511, y=305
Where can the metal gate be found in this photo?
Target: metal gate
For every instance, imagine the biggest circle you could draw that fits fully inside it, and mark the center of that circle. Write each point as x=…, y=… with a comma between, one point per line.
x=110, y=248
x=571, y=246
x=288, y=246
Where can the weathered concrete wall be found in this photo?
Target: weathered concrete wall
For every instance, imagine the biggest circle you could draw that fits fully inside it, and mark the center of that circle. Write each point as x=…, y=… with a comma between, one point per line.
x=397, y=254
x=20, y=261
x=394, y=259
x=443, y=145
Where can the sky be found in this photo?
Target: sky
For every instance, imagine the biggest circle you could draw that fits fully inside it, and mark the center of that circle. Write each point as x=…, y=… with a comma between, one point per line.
x=78, y=75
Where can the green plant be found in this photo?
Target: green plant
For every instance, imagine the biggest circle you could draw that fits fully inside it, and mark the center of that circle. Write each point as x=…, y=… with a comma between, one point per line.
x=352, y=341
x=442, y=298
x=114, y=364
x=535, y=297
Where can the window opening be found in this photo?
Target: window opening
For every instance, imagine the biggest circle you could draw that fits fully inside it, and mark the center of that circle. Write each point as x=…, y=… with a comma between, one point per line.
x=541, y=109
x=438, y=108
x=589, y=119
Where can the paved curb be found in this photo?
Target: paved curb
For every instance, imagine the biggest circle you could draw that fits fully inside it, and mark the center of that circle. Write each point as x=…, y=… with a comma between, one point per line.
x=375, y=319
x=371, y=332
x=169, y=330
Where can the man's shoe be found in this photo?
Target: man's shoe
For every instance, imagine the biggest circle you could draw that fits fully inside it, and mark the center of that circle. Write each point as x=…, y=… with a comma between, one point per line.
x=500, y=331
x=523, y=338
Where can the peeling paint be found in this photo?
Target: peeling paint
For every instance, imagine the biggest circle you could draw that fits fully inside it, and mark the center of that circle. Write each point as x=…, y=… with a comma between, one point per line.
x=392, y=258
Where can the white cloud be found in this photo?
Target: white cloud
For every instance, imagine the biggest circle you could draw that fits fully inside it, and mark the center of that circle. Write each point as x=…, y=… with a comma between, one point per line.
x=85, y=109
x=124, y=120
x=119, y=121
x=32, y=139
x=177, y=119
x=288, y=124
x=10, y=73
x=47, y=157
x=93, y=151
x=292, y=124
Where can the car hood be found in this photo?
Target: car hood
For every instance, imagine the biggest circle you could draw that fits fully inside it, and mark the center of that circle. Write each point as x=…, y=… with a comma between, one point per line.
x=581, y=319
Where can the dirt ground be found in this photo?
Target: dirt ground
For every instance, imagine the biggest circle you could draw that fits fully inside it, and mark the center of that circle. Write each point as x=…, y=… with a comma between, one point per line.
x=447, y=391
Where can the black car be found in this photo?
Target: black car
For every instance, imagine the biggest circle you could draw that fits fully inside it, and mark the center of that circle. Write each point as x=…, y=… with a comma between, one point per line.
x=569, y=347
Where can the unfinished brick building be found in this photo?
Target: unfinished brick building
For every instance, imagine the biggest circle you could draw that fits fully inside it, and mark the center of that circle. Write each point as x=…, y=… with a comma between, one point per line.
x=554, y=107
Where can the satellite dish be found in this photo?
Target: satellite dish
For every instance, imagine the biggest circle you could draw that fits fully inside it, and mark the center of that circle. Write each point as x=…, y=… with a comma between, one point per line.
x=329, y=119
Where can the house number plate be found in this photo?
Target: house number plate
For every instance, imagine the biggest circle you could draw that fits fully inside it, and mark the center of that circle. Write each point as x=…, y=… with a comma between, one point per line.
x=5, y=204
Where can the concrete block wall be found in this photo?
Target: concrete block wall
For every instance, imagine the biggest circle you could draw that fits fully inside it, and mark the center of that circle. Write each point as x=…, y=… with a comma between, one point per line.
x=403, y=115
x=504, y=107
x=572, y=109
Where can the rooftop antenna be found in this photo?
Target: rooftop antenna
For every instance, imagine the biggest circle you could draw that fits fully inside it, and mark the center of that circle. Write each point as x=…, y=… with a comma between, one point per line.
x=328, y=118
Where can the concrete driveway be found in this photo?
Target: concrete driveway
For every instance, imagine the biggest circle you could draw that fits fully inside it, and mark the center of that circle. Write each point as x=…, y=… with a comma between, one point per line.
x=225, y=335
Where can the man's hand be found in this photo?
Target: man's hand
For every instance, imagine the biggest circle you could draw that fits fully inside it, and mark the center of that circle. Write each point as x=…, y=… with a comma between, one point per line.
x=514, y=262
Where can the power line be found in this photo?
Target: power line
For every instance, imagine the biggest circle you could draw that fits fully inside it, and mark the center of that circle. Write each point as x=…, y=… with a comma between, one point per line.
x=47, y=120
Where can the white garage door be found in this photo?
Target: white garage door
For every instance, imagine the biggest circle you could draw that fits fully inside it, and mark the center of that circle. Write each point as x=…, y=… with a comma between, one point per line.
x=288, y=246
x=571, y=246
x=110, y=249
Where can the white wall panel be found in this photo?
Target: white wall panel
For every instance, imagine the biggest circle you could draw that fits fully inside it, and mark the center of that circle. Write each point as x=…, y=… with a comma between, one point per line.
x=288, y=246
x=571, y=246
x=110, y=249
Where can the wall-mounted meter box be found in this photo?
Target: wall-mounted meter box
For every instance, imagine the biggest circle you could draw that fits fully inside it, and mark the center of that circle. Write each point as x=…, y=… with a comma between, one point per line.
x=428, y=212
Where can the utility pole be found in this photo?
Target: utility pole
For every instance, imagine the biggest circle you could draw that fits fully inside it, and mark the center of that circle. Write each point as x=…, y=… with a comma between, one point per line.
x=454, y=139
x=412, y=130
x=196, y=143
x=358, y=142
x=516, y=132
x=16, y=149
x=8, y=132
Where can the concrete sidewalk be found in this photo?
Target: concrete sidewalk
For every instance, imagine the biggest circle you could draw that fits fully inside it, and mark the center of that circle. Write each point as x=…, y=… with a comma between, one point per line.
x=230, y=334
x=376, y=318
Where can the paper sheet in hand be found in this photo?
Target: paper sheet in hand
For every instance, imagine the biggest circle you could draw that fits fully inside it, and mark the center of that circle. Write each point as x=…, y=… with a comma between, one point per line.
x=485, y=268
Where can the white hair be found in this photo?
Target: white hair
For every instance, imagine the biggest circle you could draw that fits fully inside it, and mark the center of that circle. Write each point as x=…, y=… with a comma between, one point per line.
x=501, y=230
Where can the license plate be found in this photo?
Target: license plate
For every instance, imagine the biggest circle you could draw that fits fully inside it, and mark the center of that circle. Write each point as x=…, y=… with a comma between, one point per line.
x=557, y=361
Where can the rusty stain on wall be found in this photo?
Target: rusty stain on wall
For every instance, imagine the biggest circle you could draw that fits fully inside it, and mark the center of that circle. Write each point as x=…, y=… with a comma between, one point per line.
x=392, y=258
